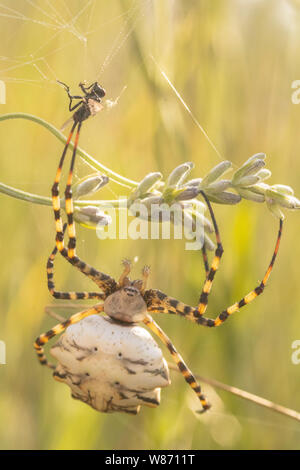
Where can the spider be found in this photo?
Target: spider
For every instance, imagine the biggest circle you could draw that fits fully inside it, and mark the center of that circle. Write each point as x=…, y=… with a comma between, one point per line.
x=129, y=301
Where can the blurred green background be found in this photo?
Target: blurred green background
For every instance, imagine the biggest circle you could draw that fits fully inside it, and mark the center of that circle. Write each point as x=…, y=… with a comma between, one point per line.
x=234, y=63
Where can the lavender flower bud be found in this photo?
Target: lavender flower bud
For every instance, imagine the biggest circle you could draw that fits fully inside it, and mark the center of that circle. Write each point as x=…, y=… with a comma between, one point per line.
x=251, y=167
x=216, y=172
x=250, y=195
x=188, y=193
x=264, y=174
x=248, y=180
x=224, y=197
x=145, y=185
x=91, y=216
x=89, y=185
x=178, y=175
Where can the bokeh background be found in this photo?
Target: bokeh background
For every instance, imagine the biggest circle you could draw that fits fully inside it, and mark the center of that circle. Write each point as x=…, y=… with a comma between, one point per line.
x=234, y=62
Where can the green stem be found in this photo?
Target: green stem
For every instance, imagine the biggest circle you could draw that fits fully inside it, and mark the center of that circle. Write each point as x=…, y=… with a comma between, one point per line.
x=24, y=196
x=85, y=156
x=47, y=201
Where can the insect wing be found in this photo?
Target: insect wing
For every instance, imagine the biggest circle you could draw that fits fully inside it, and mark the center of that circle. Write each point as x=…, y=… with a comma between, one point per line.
x=63, y=127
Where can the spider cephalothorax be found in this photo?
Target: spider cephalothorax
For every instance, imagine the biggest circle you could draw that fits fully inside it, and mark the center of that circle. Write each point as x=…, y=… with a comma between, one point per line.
x=129, y=301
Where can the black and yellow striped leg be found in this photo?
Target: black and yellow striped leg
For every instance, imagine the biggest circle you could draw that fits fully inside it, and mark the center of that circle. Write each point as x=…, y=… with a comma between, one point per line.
x=249, y=297
x=67, y=295
x=56, y=330
x=205, y=261
x=158, y=302
x=55, y=195
x=203, y=300
x=69, y=200
x=187, y=374
x=105, y=282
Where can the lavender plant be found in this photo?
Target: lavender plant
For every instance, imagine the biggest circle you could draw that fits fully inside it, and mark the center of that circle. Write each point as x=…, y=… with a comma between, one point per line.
x=247, y=182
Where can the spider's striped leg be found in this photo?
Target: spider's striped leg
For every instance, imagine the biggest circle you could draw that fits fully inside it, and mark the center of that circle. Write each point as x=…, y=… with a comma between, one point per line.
x=66, y=295
x=203, y=300
x=105, y=282
x=158, y=302
x=187, y=374
x=249, y=297
x=205, y=260
x=69, y=200
x=56, y=330
x=55, y=195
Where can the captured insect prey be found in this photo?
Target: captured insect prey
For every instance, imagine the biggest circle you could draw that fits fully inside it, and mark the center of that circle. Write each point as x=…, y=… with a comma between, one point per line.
x=88, y=105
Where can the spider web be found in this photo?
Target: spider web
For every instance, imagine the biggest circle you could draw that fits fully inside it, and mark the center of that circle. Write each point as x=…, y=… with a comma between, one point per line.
x=52, y=27
x=40, y=36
